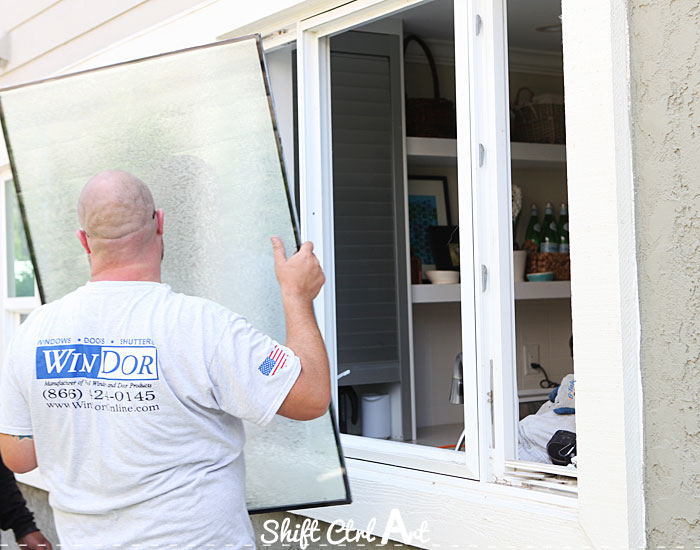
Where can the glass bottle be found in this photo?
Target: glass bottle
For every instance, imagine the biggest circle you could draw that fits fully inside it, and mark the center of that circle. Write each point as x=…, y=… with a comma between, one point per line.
x=534, y=229
x=563, y=229
x=550, y=238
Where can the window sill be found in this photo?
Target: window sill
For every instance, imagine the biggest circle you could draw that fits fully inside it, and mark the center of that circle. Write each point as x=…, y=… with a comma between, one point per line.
x=406, y=455
x=458, y=513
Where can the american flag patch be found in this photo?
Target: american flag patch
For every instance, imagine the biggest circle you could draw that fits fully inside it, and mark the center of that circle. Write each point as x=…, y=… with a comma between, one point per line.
x=274, y=362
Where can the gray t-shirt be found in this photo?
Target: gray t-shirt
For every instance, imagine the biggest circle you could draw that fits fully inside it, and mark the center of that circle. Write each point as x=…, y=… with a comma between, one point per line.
x=134, y=395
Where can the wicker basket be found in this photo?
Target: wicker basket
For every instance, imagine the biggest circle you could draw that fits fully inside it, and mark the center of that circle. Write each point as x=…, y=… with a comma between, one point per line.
x=429, y=117
x=537, y=122
x=539, y=262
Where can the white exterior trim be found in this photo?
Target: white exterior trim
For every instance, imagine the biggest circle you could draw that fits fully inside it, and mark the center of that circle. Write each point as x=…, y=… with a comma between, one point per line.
x=474, y=405
x=459, y=513
x=316, y=176
x=490, y=172
x=605, y=302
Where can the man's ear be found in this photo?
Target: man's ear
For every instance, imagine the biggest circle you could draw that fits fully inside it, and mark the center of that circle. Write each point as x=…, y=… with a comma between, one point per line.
x=160, y=215
x=82, y=237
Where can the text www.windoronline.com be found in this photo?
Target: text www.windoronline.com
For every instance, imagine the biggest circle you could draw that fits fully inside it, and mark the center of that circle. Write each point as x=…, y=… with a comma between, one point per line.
x=108, y=408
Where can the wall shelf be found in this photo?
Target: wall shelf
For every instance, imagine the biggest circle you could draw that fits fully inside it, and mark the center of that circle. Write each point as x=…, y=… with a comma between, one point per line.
x=551, y=290
x=443, y=152
x=531, y=156
x=430, y=294
x=431, y=151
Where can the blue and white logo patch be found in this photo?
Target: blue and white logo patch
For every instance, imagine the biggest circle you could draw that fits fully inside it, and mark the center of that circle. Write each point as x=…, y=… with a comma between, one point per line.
x=102, y=362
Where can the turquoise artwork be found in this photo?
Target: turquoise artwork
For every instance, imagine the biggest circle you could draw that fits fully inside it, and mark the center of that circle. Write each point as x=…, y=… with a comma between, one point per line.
x=422, y=213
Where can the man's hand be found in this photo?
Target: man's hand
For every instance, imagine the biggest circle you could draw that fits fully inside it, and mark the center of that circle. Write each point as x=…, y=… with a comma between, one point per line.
x=301, y=275
x=301, y=278
x=34, y=541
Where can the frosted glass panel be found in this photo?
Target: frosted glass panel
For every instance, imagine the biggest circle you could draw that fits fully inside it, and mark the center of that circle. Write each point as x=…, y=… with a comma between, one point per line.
x=197, y=126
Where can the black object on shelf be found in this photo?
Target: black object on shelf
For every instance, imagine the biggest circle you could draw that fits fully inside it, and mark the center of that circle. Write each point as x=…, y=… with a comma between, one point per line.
x=444, y=241
x=347, y=397
x=562, y=447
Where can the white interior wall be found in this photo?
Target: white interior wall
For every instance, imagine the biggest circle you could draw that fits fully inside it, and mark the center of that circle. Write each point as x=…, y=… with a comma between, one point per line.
x=436, y=342
x=548, y=324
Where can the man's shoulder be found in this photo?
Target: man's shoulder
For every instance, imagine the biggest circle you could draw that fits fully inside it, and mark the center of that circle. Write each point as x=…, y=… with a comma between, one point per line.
x=204, y=306
x=46, y=310
x=28, y=332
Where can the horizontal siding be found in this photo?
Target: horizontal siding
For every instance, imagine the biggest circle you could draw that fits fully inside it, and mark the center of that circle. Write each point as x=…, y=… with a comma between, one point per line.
x=76, y=18
x=14, y=13
x=48, y=36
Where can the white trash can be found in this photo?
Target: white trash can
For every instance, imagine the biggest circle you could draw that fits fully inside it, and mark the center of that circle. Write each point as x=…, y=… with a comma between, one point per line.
x=376, y=415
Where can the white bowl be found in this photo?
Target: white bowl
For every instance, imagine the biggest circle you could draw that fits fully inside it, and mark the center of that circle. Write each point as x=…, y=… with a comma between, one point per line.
x=440, y=277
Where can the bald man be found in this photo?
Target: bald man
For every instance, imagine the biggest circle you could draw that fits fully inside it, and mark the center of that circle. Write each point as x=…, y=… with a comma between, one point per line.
x=130, y=396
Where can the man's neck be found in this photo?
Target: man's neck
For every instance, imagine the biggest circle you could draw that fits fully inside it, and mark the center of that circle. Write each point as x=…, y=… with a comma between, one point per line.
x=127, y=273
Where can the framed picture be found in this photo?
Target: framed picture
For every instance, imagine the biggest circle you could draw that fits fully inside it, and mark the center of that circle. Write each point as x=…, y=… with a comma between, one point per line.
x=428, y=206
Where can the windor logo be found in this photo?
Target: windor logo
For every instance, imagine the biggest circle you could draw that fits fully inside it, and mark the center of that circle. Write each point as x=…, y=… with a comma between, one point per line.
x=104, y=362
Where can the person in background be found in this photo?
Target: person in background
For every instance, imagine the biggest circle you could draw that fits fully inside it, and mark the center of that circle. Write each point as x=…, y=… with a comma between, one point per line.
x=15, y=515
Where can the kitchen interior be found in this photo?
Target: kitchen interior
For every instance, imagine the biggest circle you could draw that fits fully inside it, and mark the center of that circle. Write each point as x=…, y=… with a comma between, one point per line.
x=380, y=395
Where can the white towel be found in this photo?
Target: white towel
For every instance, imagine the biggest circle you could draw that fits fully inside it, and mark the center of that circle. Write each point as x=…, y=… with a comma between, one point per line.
x=535, y=431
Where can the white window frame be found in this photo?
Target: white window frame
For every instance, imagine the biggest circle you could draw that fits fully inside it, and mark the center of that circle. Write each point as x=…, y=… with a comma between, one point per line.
x=316, y=200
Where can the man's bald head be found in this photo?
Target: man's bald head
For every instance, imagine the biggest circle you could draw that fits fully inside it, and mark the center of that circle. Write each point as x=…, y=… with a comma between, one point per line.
x=115, y=204
x=121, y=230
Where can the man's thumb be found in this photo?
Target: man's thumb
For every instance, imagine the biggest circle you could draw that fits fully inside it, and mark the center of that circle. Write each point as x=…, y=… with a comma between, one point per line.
x=278, y=250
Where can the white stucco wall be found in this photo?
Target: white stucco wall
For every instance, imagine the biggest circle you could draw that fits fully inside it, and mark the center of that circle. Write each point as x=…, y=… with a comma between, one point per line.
x=665, y=71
